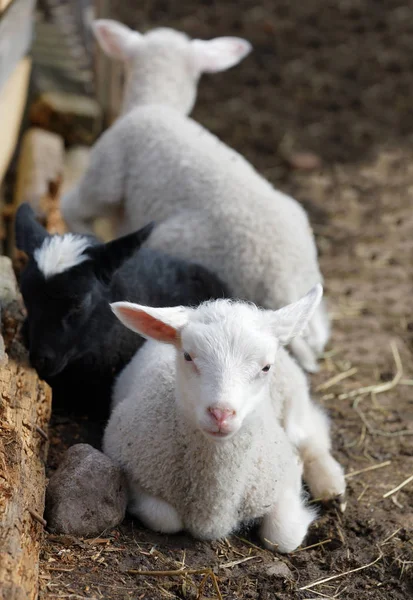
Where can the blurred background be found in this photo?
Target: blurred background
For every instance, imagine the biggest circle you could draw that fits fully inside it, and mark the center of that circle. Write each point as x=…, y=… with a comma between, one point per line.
x=330, y=77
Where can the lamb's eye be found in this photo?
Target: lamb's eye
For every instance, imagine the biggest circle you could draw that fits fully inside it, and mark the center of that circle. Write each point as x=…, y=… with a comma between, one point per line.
x=187, y=357
x=266, y=368
x=75, y=310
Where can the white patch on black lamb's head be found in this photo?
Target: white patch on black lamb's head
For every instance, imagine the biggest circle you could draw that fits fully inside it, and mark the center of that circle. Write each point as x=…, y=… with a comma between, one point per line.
x=61, y=252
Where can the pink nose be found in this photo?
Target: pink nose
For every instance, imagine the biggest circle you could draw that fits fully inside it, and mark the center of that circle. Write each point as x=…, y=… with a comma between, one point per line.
x=220, y=415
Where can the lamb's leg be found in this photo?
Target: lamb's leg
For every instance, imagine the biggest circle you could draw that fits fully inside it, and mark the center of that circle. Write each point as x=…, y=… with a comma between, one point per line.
x=308, y=347
x=285, y=526
x=100, y=191
x=155, y=513
x=319, y=329
x=304, y=354
x=307, y=427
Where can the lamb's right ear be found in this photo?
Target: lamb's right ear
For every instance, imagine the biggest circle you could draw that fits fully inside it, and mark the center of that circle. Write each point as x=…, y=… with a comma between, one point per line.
x=291, y=320
x=29, y=234
x=219, y=54
x=115, y=39
x=161, y=324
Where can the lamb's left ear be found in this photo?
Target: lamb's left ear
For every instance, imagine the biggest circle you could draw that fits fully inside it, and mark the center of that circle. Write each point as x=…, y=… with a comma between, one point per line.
x=289, y=321
x=219, y=54
x=161, y=324
x=115, y=39
x=110, y=256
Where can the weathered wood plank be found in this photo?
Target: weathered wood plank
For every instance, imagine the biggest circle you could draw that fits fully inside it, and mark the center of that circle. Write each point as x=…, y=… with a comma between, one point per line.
x=25, y=407
x=12, y=101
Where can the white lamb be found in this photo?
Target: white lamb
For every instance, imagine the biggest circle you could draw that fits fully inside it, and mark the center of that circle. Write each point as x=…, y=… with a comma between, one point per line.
x=215, y=426
x=212, y=206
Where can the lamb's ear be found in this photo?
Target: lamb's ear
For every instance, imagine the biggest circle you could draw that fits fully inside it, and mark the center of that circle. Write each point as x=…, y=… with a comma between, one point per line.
x=110, y=256
x=115, y=39
x=161, y=324
x=29, y=234
x=289, y=321
x=219, y=54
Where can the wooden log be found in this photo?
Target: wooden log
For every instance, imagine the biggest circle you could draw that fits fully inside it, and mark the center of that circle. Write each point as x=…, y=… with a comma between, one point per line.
x=78, y=119
x=39, y=174
x=76, y=162
x=25, y=407
x=50, y=205
x=40, y=164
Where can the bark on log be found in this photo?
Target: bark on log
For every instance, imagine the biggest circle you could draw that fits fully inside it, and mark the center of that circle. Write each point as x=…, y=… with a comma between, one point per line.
x=25, y=407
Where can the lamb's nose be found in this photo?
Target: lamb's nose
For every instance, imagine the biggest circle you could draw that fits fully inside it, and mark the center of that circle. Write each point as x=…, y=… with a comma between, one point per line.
x=220, y=415
x=43, y=363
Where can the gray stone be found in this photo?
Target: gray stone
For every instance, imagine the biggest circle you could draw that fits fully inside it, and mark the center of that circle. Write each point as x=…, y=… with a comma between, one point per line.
x=278, y=570
x=86, y=494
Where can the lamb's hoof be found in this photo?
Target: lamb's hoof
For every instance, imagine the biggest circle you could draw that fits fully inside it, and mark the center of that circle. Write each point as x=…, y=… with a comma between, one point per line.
x=342, y=502
x=312, y=367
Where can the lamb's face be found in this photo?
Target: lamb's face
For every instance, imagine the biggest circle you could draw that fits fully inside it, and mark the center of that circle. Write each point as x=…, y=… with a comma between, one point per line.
x=162, y=70
x=58, y=317
x=224, y=371
x=225, y=351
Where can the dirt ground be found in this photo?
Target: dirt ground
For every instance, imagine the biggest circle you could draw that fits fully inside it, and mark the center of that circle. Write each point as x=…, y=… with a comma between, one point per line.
x=334, y=79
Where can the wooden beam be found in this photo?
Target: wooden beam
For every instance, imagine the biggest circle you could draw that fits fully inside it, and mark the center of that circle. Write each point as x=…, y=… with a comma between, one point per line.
x=4, y=4
x=12, y=102
x=25, y=407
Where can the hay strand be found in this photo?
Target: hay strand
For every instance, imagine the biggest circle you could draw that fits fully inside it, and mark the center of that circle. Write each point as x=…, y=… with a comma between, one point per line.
x=380, y=387
x=336, y=379
x=312, y=546
x=399, y=487
x=366, y=469
x=326, y=579
x=234, y=563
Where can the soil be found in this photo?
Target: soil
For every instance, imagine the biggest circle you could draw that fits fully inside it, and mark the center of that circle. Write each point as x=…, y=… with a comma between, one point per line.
x=323, y=108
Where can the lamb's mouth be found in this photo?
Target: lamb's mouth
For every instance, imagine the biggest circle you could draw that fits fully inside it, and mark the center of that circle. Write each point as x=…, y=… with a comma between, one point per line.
x=218, y=434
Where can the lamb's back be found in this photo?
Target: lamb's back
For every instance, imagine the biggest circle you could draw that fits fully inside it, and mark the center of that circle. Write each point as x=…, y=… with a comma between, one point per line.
x=172, y=162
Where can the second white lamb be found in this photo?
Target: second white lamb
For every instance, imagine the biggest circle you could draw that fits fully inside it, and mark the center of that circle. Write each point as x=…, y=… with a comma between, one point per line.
x=214, y=427
x=212, y=206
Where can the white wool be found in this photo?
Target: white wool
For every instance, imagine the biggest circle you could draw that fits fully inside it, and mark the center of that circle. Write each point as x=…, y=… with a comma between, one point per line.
x=164, y=65
x=59, y=253
x=212, y=206
x=179, y=476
